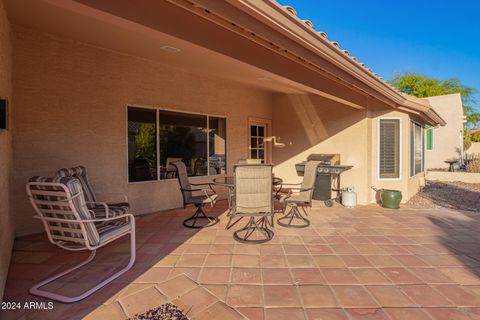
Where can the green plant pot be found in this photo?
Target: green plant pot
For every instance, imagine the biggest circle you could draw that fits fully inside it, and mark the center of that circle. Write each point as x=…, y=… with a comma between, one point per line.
x=391, y=198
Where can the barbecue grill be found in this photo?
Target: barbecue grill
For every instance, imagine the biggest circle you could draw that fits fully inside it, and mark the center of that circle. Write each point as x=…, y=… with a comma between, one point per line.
x=328, y=175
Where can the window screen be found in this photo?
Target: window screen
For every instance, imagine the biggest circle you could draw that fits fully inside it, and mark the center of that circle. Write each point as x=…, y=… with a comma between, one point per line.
x=416, y=148
x=429, y=142
x=389, y=148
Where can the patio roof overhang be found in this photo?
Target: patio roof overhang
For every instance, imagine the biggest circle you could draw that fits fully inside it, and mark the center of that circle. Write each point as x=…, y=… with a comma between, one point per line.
x=250, y=36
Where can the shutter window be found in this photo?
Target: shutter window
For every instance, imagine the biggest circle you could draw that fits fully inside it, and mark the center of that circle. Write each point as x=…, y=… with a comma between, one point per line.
x=429, y=139
x=389, y=148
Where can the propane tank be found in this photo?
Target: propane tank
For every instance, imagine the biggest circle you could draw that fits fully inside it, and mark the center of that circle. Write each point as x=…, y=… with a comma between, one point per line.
x=349, y=197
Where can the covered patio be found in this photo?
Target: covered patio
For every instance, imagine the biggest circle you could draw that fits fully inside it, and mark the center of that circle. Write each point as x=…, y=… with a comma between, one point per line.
x=367, y=263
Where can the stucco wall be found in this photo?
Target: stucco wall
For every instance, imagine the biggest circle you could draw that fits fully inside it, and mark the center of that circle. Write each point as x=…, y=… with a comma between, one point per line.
x=317, y=125
x=474, y=148
x=467, y=177
x=447, y=140
x=71, y=101
x=6, y=220
x=409, y=186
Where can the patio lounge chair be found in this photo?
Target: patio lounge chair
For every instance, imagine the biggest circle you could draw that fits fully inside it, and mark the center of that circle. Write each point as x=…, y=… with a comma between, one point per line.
x=299, y=197
x=209, y=196
x=253, y=199
x=60, y=205
x=101, y=209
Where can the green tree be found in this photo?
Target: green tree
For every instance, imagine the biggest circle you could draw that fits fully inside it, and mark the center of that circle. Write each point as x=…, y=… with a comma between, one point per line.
x=145, y=144
x=423, y=86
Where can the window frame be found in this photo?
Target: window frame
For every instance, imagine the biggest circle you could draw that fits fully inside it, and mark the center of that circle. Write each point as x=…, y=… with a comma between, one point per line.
x=400, y=153
x=186, y=112
x=432, y=135
x=422, y=162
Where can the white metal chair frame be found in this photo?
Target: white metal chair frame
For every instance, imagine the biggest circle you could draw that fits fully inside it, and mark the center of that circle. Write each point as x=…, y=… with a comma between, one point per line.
x=74, y=173
x=73, y=243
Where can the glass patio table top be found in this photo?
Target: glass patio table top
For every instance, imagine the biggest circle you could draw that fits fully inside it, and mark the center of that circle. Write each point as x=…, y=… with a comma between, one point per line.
x=228, y=181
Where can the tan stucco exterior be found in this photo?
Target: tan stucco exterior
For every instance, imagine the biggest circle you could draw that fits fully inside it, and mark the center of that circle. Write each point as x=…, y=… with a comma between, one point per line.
x=316, y=125
x=447, y=140
x=6, y=219
x=474, y=148
x=75, y=113
x=71, y=87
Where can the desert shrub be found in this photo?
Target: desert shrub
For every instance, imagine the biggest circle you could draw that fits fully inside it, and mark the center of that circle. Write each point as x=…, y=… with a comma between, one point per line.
x=475, y=137
x=474, y=166
x=466, y=144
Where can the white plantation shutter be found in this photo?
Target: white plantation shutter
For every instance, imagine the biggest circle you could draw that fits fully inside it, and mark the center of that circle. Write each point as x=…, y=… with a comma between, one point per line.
x=389, y=148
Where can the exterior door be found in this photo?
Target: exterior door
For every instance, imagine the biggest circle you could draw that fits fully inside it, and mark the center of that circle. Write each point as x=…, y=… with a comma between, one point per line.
x=257, y=147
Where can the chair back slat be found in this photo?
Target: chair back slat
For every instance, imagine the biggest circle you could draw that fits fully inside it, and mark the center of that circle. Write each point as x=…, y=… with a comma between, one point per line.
x=308, y=182
x=183, y=181
x=67, y=240
x=65, y=229
x=253, y=188
x=67, y=203
x=80, y=172
x=47, y=193
x=57, y=211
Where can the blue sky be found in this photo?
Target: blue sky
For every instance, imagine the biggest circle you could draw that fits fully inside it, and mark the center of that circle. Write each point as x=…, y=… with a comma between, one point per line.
x=440, y=39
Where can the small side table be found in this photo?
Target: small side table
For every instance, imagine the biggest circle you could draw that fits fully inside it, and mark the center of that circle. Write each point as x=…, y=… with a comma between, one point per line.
x=450, y=165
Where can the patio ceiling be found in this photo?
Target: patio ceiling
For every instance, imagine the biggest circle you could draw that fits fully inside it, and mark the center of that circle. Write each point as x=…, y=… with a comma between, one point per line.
x=81, y=24
x=212, y=51
x=257, y=43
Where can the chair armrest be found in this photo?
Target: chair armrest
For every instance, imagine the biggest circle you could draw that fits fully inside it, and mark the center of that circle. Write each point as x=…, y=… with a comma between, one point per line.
x=103, y=204
x=128, y=215
x=301, y=189
x=209, y=193
x=191, y=190
x=209, y=184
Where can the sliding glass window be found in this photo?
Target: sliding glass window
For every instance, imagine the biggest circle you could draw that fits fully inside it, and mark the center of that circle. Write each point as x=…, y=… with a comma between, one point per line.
x=142, y=144
x=199, y=141
x=417, y=142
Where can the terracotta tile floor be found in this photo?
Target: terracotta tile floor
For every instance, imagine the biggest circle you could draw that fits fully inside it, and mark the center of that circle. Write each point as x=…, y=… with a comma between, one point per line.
x=363, y=263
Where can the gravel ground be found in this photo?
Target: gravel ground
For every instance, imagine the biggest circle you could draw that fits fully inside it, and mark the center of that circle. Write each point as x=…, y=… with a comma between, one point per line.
x=166, y=311
x=452, y=195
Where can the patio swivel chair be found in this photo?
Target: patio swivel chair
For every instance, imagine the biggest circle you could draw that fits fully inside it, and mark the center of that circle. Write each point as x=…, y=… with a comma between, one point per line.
x=60, y=205
x=299, y=197
x=209, y=196
x=253, y=199
x=100, y=208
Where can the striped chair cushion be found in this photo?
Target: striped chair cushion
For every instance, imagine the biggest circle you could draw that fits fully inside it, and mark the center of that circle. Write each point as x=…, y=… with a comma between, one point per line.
x=114, y=210
x=113, y=229
x=79, y=172
x=79, y=211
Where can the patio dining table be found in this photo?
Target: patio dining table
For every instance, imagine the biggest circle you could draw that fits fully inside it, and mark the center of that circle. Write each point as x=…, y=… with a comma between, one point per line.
x=228, y=182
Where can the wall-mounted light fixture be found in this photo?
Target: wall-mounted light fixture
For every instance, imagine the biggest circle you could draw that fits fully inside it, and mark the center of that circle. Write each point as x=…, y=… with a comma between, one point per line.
x=3, y=113
x=276, y=143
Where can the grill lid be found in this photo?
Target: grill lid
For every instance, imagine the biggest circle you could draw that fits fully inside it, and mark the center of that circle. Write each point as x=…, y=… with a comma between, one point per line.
x=325, y=158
